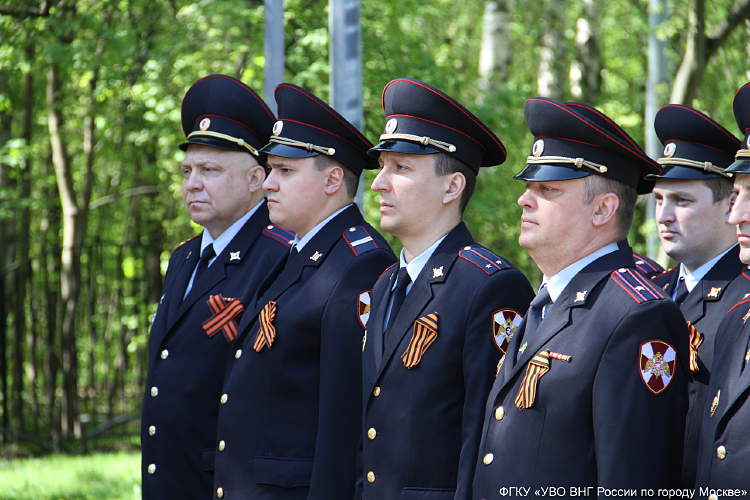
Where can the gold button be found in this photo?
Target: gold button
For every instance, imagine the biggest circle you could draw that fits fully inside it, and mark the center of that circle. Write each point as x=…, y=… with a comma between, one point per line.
x=270, y=226
x=467, y=248
x=488, y=458
x=721, y=452
x=376, y=391
x=499, y=413
x=371, y=477
x=223, y=399
x=151, y=468
x=371, y=433
x=352, y=229
x=151, y=430
x=713, y=497
x=238, y=354
x=222, y=445
x=154, y=391
x=164, y=354
x=220, y=492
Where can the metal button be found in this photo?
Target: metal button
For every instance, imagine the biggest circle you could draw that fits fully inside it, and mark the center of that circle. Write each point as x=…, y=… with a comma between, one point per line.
x=371, y=433
x=223, y=399
x=164, y=354
x=376, y=391
x=151, y=430
x=222, y=445
x=371, y=477
x=154, y=391
x=499, y=413
x=488, y=458
x=220, y=492
x=151, y=468
x=721, y=452
x=238, y=354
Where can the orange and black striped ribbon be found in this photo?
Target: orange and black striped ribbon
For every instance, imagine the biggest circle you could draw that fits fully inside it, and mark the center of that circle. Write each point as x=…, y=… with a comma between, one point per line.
x=266, y=331
x=696, y=339
x=425, y=333
x=537, y=367
x=224, y=311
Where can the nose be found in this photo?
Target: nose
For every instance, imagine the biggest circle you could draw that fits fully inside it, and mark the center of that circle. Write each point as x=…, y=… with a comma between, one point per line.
x=526, y=199
x=664, y=212
x=193, y=181
x=380, y=183
x=740, y=212
x=270, y=183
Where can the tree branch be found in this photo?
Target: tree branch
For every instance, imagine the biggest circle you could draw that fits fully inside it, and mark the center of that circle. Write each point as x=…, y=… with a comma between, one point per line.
x=43, y=11
x=111, y=198
x=739, y=13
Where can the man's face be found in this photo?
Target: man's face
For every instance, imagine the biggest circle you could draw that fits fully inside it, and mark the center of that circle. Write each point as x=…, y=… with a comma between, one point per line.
x=555, y=221
x=218, y=186
x=296, y=193
x=411, y=193
x=688, y=220
x=740, y=214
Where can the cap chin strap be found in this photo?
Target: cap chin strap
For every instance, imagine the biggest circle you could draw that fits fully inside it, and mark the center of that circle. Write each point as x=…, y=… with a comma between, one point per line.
x=423, y=140
x=703, y=165
x=578, y=162
x=219, y=135
x=303, y=145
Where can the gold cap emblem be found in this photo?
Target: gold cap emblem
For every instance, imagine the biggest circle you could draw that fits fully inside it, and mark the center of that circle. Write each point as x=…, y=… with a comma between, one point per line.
x=390, y=126
x=538, y=148
x=205, y=123
x=277, y=127
x=669, y=149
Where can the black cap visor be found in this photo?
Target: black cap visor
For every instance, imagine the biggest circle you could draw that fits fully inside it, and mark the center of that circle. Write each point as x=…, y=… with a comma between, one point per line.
x=212, y=143
x=276, y=149
x=546, y=172
x=411, y=148
x=684, y=173
x=739, y=167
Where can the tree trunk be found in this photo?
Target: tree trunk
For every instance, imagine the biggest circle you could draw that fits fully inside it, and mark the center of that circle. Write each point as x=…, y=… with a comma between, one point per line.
x=495, y=53
x=5, y=120
x=586, y=69
x=552, y=63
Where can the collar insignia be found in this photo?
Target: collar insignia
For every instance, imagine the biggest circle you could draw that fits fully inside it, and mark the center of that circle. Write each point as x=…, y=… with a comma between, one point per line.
x=314, y=257
x=234, y=256
x=437, y=272
x=581, y=296
x=714, y=293
x=746, y=316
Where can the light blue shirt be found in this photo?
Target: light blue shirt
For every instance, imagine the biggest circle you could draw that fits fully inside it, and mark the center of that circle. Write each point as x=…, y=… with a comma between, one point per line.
x=300, y=243
x=557, y=283
x=222, y=241
x=692, y=279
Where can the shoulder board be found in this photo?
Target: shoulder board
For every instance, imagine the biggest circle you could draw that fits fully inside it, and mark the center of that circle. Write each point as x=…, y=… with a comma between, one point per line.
x=743, y=301
x=184, y=243
x=660, y=275
x=359, y=240
x=388, y=269
x=646, y=265
x=281, y=235
x=636, y=285
x=484, y=259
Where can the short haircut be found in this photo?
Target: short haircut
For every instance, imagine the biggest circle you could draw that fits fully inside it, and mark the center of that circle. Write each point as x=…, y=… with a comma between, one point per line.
x=720, y=187
x=351, y=180
x=594, y=185
x=446, y=164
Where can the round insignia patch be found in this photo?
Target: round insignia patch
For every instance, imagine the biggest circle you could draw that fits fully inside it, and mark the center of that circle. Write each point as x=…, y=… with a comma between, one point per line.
x=391, y=125
x=505, y=323
x=538, y=148
x=277, y=127
x=669, y=149
x=204, y=124
x=363, y=308
x=657, y=364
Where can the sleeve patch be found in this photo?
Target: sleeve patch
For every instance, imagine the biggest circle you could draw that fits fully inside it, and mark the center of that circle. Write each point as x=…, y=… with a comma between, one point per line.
x=636, y=286
x=482, y=258
x=363, y=307
x=359, y=240
x=276, y=233
x=657, y=362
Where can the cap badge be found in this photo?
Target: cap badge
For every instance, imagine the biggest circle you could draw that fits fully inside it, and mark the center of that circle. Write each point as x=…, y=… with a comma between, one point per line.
x=205, y=123
x=391, y=125
x=747, y=142
x=277, y=127
x=538, y=148
x=669, y=149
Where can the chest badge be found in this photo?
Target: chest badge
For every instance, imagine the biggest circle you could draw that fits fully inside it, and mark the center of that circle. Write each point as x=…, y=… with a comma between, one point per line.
x=715, y=403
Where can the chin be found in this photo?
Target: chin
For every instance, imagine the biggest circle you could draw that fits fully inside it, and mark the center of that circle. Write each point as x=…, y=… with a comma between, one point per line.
x=745, y=255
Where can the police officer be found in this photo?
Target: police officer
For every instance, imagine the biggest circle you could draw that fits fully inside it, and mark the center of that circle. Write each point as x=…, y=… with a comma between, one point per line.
x=290, y=407
x=440, y=319
x=592, y=390
x=693, y=197
x=724, y=448
x=209, y=282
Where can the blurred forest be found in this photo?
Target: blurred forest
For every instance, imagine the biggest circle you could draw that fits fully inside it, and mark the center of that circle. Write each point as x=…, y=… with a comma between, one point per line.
x=90, y=94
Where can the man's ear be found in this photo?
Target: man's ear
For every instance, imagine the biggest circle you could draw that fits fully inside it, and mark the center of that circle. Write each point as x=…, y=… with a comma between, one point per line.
x=255, y=177
x=454, y=187
x=334, y=180
x=605, y=208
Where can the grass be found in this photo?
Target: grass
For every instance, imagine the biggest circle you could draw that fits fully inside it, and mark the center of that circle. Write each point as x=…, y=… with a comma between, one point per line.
x=99, y=476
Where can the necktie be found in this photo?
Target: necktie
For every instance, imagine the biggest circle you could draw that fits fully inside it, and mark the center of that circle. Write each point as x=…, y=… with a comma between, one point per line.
x=399, y=294
x=207, y=254
x=535, y=314
x=681, y=292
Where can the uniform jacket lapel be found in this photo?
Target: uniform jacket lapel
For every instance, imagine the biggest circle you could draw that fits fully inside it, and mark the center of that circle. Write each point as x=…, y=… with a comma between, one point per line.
x=738, y=379
x=712, y=286
x=381, y=296
x=184, y=272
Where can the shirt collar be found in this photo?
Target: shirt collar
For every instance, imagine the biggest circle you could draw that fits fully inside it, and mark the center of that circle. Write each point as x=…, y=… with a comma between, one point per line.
x=229, y=233
x=692, y=279
x=301, y=242
x=417, y=263
x=557, y=283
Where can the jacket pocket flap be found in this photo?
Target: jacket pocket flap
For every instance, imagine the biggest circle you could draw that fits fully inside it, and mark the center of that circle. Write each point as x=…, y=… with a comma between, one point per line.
x=282, y=471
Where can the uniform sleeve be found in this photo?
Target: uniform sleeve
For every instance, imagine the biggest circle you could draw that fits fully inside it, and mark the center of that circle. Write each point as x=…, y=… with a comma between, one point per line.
x=507, y=289
x=638, y=434
x=340, y=393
